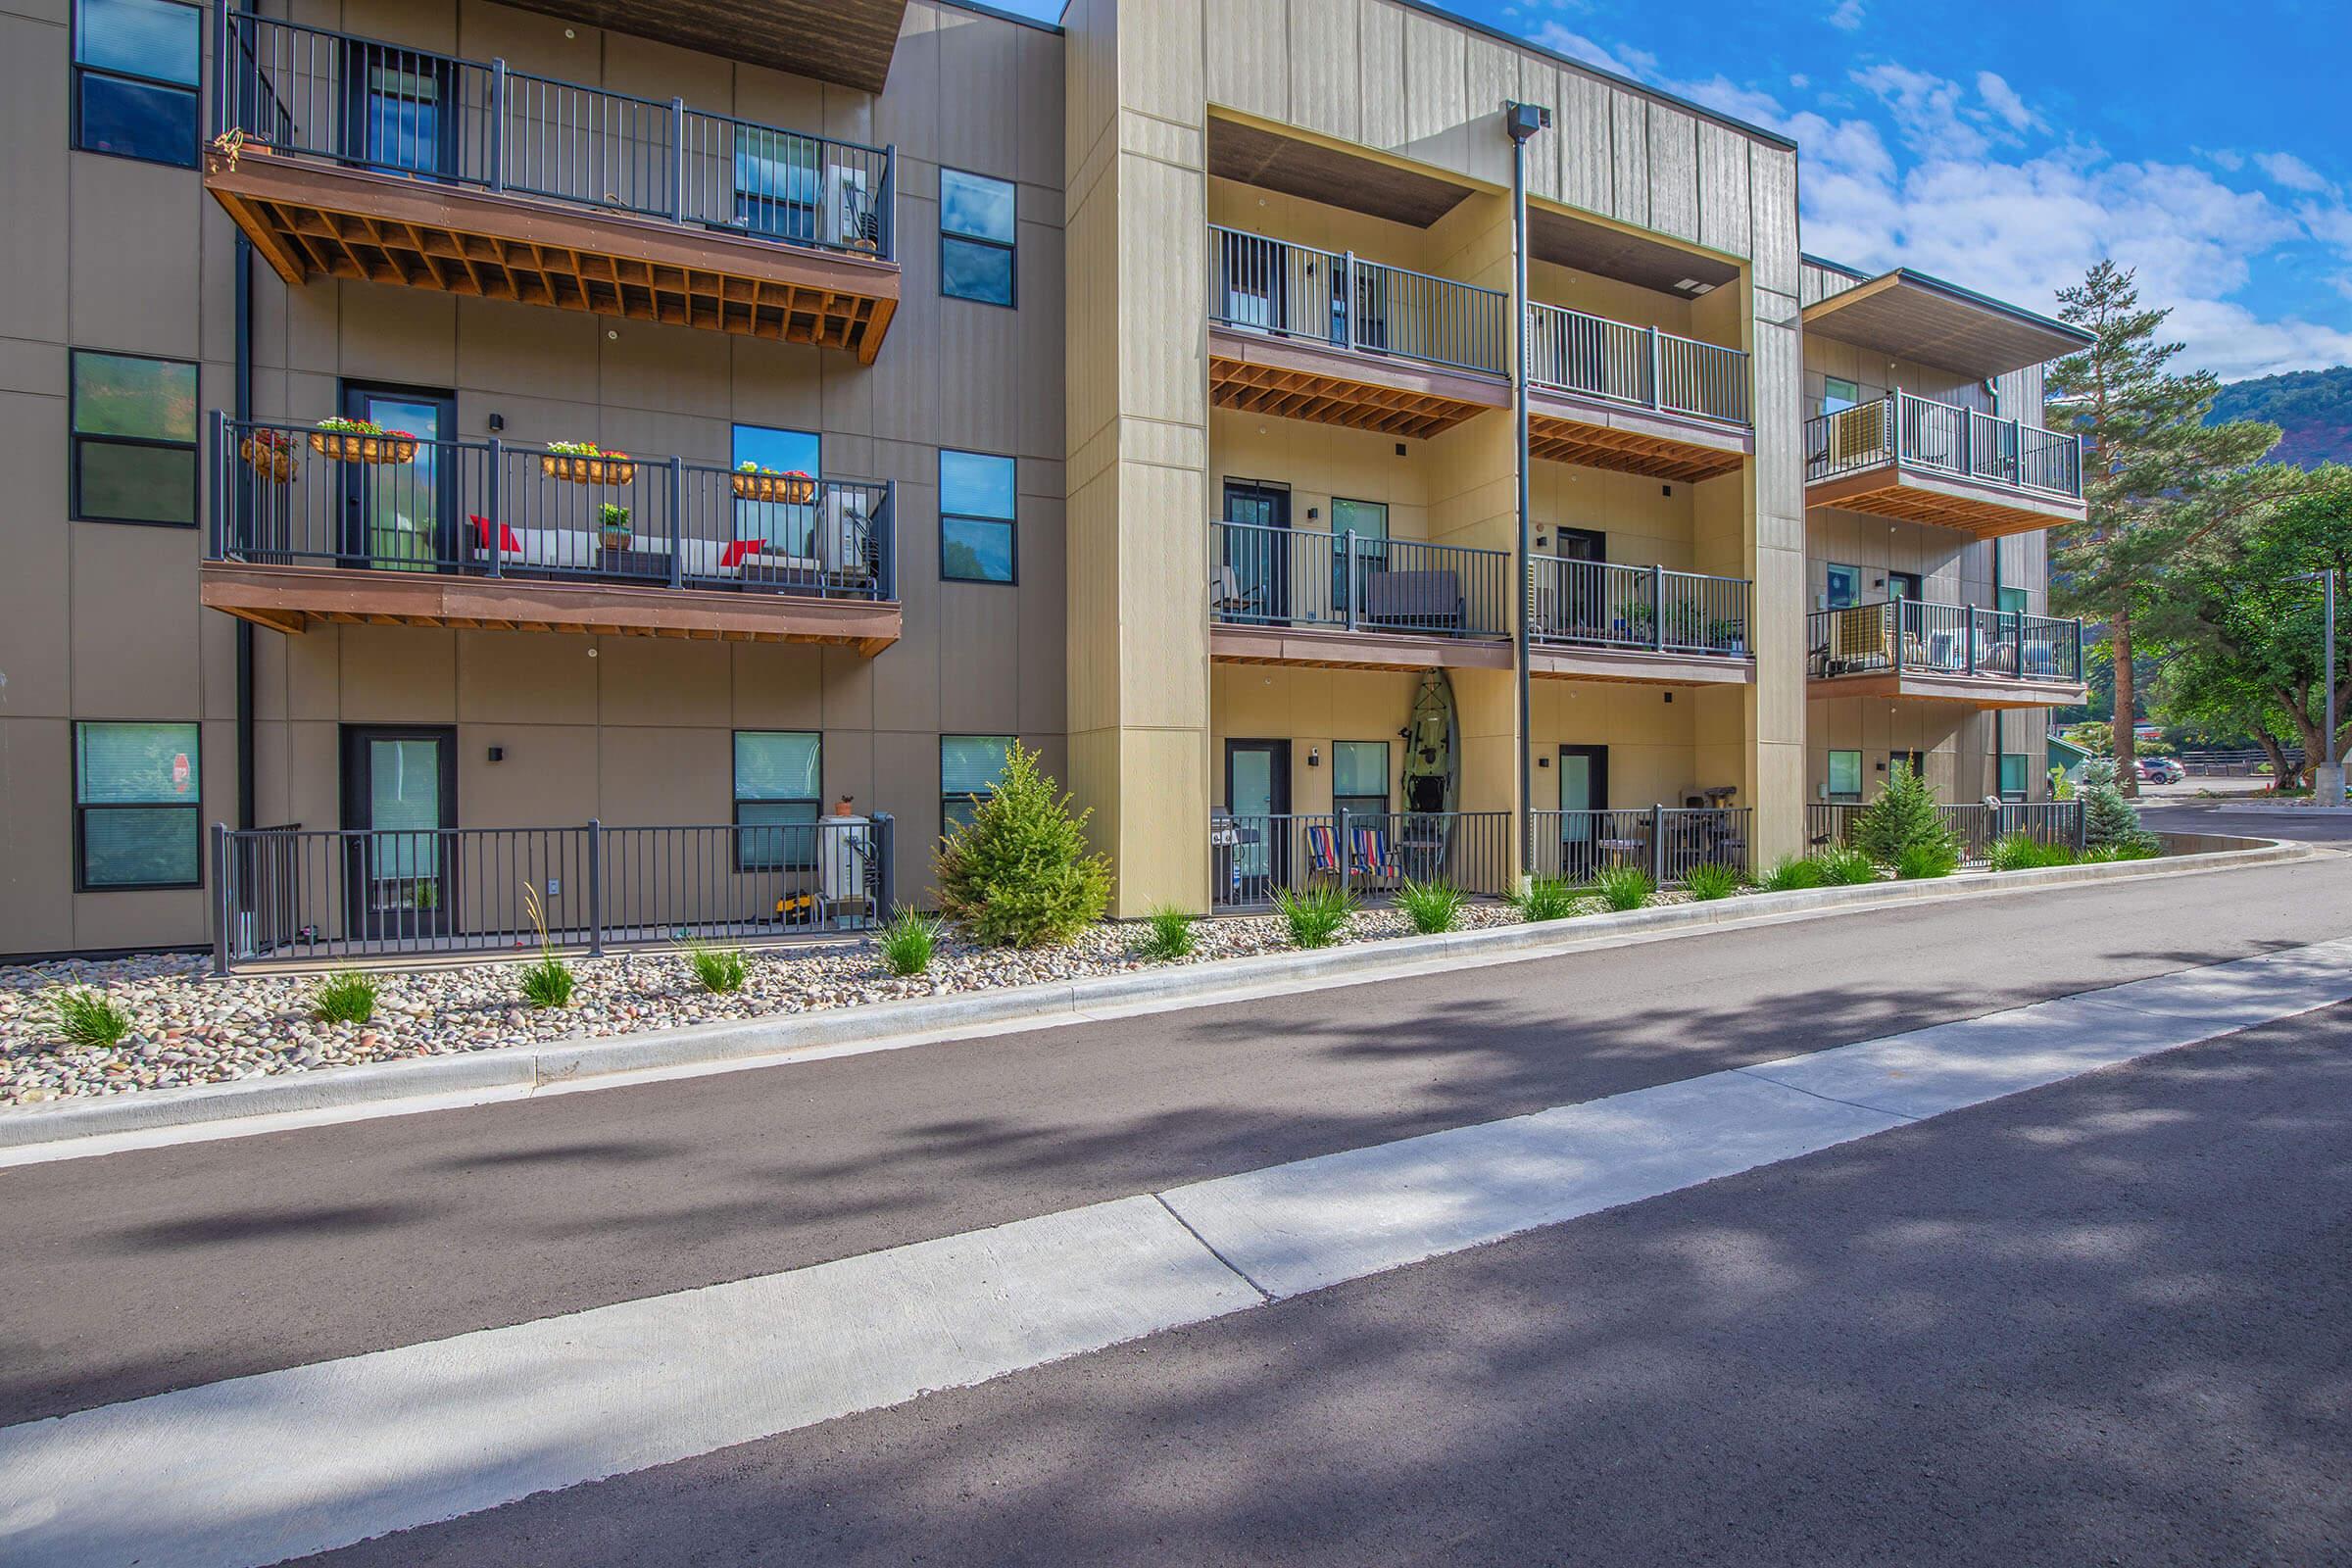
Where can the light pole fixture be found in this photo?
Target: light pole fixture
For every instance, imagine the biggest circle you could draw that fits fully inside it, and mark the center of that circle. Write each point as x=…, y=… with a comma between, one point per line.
x=2327, y=769
x=1521, y=122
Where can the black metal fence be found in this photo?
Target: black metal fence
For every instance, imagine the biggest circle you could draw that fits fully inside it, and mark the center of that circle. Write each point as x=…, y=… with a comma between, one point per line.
x=1370, y=853
x=1262, y=576
x=296, y=495
x=1665, y=842
x=362, y=103
x=1945, y=437
x=1600, y=602
x=1908, y=634
x=1337, y=297
x=1976, y=826
x=291, y=895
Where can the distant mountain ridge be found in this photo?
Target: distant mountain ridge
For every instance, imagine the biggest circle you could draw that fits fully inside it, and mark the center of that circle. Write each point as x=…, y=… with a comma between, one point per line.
x=2313, y=409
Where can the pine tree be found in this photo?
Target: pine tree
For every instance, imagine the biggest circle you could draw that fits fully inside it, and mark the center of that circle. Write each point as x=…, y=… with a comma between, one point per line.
x=1018, y=874
x=2163, y=486
x=2108, y=820
x=1904, y=816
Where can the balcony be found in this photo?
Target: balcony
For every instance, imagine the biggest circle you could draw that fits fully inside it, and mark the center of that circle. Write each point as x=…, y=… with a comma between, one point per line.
x=1944, y=652
x=1599, y=621
x=1907, y=457
x=1288, y=596
x=389, y=531
x=1634, y=399
x=1323, y=335
x=349, y=158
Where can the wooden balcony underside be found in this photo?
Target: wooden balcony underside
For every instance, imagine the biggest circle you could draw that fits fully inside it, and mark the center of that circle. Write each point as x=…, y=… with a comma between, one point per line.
x=1917, y=495
x=1292, y=378
x=1599, y=434
x=1638, y=665
x=313, y=220
x=289, y=598
x=1335, y=648
x=1931, y=686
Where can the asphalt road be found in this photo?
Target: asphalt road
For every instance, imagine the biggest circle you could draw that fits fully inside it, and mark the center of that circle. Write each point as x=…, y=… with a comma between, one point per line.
x=2103, y=1322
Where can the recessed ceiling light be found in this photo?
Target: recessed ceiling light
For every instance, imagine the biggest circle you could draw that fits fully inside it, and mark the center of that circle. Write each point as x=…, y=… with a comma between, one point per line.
x=1688, y=282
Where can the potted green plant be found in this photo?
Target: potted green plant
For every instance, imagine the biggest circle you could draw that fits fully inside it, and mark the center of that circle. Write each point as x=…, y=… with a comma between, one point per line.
x=1728, y=634
x=362, y=441
x=586, y=462
x=613, y=525
x=790, y=486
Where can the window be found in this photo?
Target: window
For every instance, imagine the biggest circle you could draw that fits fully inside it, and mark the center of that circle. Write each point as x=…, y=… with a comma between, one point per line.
x=776, y=184
x=790, y=527
x=1367, y=522
x=1360, y=778
x=778, y=775
x=2013, y=776
x=1845, y=775
x=975, y=237
x=970, y=766
x=137, y=792
x=1843, y=587
x=975, y=517
x=134, y=439
x=1837, y=394
x=134, y=79
x=2013, y=601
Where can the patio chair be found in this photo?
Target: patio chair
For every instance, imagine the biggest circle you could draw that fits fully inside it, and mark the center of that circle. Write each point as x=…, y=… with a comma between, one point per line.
x=1370, y=854
x=1227, y=597
x=1322, y=851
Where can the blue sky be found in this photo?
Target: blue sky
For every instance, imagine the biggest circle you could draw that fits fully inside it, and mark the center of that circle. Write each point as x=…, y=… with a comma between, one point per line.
x=2007, y=146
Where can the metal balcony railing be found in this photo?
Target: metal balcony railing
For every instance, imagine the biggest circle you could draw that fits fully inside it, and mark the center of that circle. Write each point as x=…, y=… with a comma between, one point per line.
x=1337, y=298
x=1604, y=603
x=1665, y=841
x=294, y=895
x=1370, y=853
x=1944, y=438
x=1901, y=635
x=362, y=103
x=1261, y=576
x=295, y=495
x=1975, y=826
x=1572, y=352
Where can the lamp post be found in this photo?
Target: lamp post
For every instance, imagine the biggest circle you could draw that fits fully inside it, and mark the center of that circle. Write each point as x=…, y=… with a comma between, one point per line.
x=2327, y=769
x=1521, y=122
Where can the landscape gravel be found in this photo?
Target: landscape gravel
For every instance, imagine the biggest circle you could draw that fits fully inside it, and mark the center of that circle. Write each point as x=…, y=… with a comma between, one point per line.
x=188, y=1028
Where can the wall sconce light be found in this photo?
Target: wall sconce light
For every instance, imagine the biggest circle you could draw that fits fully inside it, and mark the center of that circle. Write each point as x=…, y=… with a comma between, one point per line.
x=1315, y=757
x=1542, y=761
x=1669, y=697
x=1312, y=512
x=498, y=421
x=498, y=754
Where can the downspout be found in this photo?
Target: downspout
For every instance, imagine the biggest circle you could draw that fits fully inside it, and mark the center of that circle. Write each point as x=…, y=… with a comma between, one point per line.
x=1522, y=121
x=1999, y=738
x=243, y=268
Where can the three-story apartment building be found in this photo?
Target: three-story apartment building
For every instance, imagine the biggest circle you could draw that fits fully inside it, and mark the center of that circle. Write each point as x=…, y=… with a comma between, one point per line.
x=743, y=422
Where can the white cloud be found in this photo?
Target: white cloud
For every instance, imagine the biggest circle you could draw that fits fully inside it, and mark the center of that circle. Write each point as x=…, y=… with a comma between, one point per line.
x=2285, y=169
x=1848, y=16
x=2003, y=101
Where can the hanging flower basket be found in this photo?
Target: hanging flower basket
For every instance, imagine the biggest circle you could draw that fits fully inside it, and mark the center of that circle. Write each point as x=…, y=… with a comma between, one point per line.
x=794, y=489
x=384, y=446
x=584, y=463
x=271, y=454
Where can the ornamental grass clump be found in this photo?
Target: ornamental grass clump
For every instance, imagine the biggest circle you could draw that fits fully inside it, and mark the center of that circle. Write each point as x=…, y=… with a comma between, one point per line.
x=1903, y=820
x=1317, y=917
x=1625, y=887
x=547, y=982
x=347, y=996
x=1545, y=897
x=908, y=943
x=87, y=1021
x=1168, y=934
x=1709, y=882
x=2022, y=851
x=1792, y=874
x=1845, y=868
x=1018, y=874
x=1925, y=858
x=721, y=971
x=1431, y=906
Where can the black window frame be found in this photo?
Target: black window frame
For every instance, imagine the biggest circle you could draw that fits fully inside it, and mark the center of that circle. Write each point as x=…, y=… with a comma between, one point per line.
x=1010, y=524
x=1011, y=247
x=75, y=439
x=1829, y=381
x=1828, y=777
x=1339, y=802
x=194, y=809
x=193, y=91
x=785, y=862
x=948, y=800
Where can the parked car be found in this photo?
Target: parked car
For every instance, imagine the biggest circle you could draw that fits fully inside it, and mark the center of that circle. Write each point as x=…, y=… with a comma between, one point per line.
x=2160, y=770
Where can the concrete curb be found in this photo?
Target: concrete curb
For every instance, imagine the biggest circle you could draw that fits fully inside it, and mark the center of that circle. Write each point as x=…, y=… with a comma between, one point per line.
x=521, y=1070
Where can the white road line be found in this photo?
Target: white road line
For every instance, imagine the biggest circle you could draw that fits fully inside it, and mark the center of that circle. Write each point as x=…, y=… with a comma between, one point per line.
x=258, y=1469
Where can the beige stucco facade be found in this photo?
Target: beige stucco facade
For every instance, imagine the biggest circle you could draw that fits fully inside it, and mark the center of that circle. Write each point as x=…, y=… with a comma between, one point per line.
x=1116, y=131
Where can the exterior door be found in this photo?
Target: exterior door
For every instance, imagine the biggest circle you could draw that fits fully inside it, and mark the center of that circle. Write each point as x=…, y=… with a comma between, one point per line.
x=1256, y=291
x=1259, y=552
x=1584, y=608
x=402, y=517
x=1257, y=796
x=400, y=109
x=1368, y=521
x=1583, y=794
x=400, y=804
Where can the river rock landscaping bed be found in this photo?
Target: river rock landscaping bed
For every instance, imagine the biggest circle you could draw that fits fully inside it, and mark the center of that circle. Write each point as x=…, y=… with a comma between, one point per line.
x=188, y=1028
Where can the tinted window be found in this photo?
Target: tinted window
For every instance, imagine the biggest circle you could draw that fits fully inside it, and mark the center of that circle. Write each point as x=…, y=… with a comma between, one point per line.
x=133, y=439
x=137, y=794
x=976, y=228
x=976, y=509
x=136, y=64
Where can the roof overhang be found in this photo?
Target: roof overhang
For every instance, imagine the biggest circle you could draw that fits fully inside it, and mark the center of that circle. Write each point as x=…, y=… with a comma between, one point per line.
x=1910, y=316
x=847, y=42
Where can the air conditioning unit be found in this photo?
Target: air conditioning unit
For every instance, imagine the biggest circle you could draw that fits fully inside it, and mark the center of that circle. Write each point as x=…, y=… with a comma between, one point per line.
x=847, y=523
x=849, y=221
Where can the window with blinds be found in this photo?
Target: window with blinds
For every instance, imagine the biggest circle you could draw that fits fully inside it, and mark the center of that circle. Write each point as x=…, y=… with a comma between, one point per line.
x=137, y=795
x=970, y=766
x=1360, y=778
x=780, y=780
